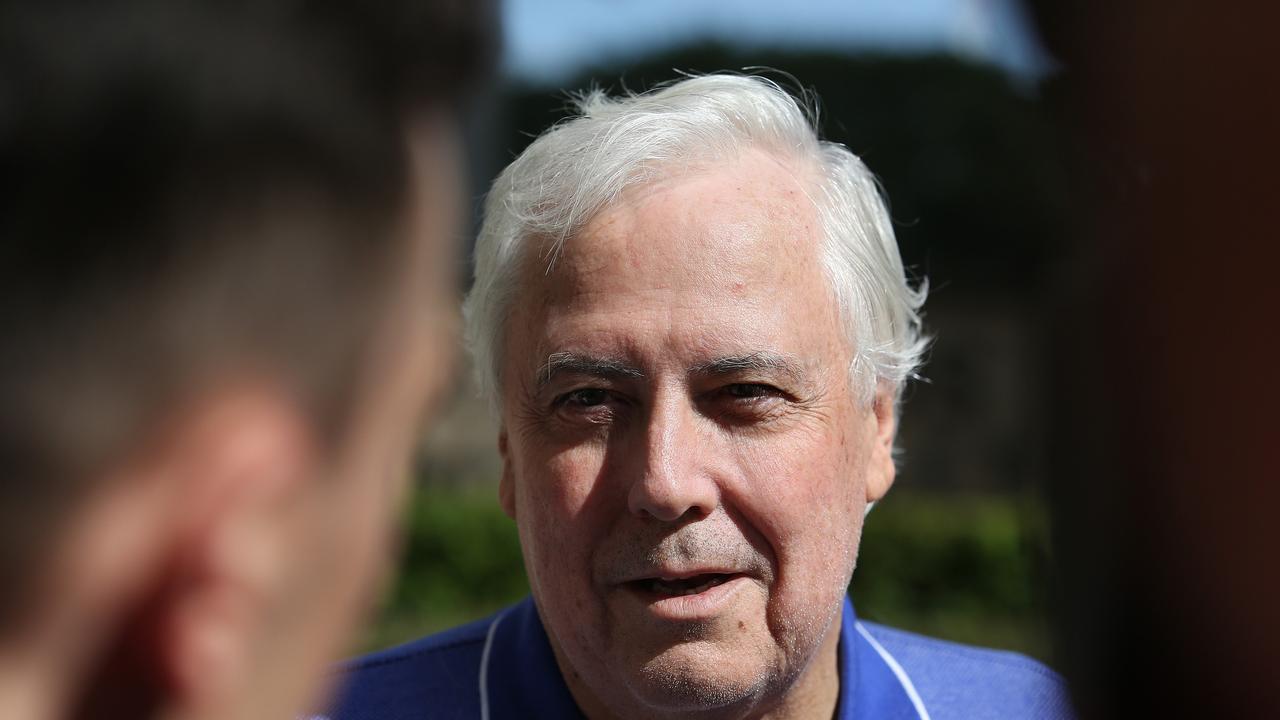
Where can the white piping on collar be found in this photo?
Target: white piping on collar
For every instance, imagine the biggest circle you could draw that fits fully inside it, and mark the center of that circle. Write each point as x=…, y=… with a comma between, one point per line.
x=901, y=674
x=484, y=667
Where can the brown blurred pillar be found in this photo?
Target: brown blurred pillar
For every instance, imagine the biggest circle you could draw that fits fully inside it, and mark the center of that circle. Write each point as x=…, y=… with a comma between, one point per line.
x=1167, y=487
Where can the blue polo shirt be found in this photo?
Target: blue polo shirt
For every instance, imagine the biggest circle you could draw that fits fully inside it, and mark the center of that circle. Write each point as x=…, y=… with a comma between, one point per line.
x=502, y=667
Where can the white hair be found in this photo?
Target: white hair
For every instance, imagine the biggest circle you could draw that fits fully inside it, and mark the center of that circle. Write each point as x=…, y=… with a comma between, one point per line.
x=580, y=166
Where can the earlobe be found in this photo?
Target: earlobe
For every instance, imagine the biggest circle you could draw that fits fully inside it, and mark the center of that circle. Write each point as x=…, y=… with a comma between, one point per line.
x=204, y=645
x=506, y=485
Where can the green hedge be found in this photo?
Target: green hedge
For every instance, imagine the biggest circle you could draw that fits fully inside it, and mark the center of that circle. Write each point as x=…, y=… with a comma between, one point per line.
x=967, y=568
x=460, y=561
x=970, y=568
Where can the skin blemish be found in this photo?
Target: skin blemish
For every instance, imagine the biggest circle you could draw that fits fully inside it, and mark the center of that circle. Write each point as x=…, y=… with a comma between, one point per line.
x=742, y=626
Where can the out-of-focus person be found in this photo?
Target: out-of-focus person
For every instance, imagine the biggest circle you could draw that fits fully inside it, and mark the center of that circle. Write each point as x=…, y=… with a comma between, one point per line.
x=227, y=236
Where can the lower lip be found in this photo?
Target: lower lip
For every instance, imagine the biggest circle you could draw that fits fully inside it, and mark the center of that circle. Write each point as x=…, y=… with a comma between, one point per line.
x=705, y=605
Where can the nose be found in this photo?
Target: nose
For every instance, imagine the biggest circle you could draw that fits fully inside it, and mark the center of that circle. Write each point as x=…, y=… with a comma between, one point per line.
x=673, y=479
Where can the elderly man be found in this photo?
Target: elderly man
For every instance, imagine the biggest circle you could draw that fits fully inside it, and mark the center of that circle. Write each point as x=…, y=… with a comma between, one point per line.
x=693, y=320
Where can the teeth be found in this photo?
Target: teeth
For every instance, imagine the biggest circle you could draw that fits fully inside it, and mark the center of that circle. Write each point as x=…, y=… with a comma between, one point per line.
x=674, y=586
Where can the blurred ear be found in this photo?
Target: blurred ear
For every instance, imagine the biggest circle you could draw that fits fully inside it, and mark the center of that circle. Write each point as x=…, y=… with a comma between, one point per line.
x=506, y=486
x=881, y=470
x=176, y=556
x=245, y=459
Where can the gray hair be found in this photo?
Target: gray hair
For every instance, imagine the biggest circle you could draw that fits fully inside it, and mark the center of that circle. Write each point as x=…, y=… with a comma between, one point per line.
x=580, y=166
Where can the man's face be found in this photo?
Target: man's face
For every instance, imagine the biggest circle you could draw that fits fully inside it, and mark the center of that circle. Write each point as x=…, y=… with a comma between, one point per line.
x=685, y=458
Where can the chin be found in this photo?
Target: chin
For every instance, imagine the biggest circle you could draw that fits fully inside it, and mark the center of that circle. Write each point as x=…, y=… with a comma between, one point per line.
x=696, y=676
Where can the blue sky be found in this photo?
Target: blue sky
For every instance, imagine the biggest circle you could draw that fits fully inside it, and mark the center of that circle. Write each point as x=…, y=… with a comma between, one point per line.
x=547, y=40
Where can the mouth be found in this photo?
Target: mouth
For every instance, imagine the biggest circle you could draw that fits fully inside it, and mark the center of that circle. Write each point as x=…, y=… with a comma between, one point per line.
x=687, y=597
x=665, y=587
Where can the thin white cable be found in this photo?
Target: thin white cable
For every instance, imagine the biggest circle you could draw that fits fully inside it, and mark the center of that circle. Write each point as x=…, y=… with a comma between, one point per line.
x=898, y=671
x=484, y=668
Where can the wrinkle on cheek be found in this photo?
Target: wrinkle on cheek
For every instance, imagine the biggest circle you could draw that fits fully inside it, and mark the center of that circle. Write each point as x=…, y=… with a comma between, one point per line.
x=766, y=497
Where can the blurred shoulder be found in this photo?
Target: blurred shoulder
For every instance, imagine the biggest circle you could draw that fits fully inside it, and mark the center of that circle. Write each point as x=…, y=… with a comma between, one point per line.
x=962, y=681
x=434, y=677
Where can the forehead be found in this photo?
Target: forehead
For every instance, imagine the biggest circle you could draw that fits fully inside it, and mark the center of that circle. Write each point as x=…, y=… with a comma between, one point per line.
x=753, y=205
x=726, y=256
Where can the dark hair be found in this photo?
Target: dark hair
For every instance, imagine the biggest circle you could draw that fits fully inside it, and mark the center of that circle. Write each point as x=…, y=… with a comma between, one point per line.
x=187, y=188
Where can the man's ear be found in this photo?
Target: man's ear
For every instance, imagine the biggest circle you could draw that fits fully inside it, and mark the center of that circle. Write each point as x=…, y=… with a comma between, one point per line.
x=882, y=471
x=506, y=485
x=245, y=459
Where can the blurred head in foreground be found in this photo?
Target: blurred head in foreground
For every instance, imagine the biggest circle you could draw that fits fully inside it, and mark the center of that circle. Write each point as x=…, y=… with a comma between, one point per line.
x=227, y=254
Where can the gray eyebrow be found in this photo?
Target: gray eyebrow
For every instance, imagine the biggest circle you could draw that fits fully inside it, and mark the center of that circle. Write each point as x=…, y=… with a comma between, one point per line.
x=560, y=363
x=758, y=361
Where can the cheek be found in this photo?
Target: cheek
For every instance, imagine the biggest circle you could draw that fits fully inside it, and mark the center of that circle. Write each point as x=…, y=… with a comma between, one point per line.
x=804, y=497
x=366, y=545
x=803, y=486
x=560, y=514
x=556, y=489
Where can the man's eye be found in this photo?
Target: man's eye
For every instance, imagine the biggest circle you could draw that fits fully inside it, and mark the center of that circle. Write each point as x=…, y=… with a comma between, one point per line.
x=585, y=397
x=749, y=390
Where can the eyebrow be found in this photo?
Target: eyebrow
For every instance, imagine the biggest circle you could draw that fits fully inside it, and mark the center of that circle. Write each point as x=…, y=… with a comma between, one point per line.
x=567, y=363
x=756, y=361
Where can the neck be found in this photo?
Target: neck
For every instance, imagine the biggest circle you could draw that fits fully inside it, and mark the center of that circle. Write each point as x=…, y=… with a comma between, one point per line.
x=32, y=686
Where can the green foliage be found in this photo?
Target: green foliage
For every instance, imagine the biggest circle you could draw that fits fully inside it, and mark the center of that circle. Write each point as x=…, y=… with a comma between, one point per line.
x=968, y=568
x=460, y=561
x=953, y=566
